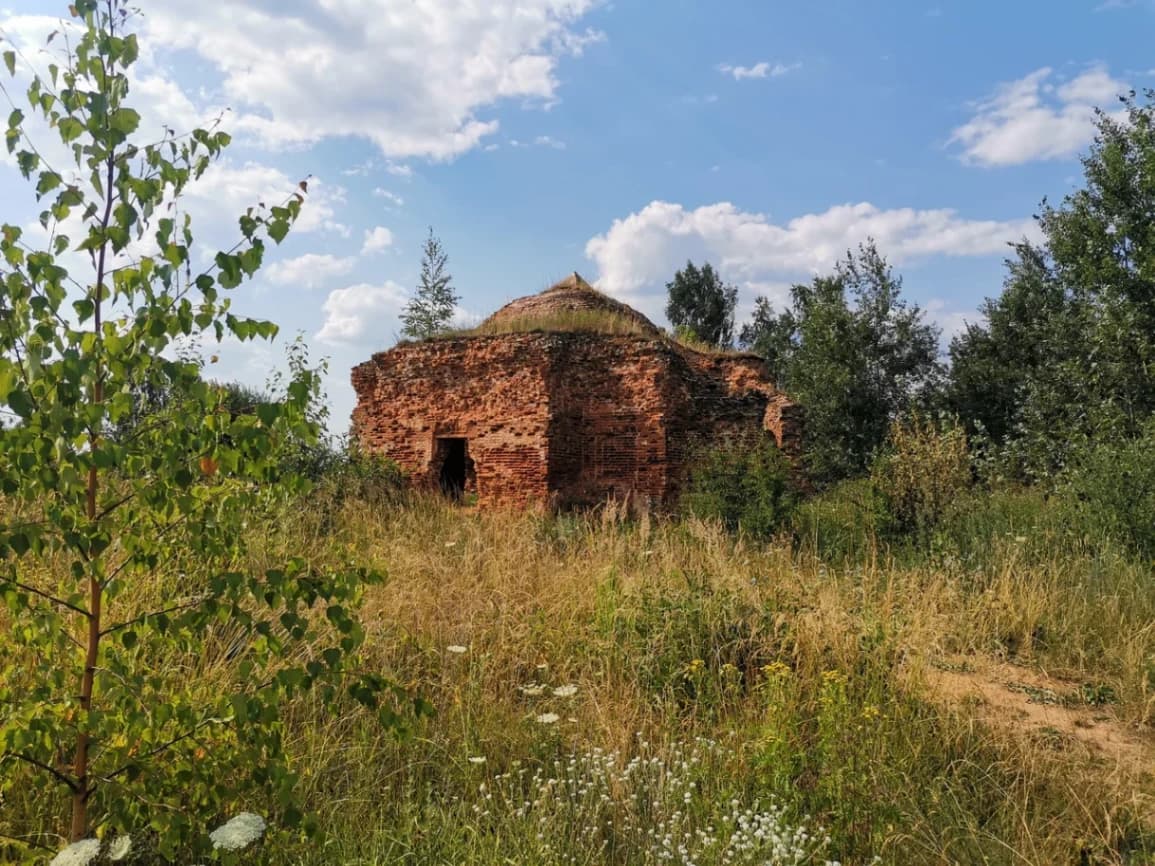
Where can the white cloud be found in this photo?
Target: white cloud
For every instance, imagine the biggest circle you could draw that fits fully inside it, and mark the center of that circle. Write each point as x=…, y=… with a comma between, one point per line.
x=575, y=44
x=226, y=190
x=952, y=321
x=377, y=239
x=640, y=252
x=160, y=101
x=392, y=198
x=356, y=313
x=1035, y=119
x=413, y=77
x=463, y=318
x=310, y=271
x=359, y=170
x=398, y=169
x=765, y=69
x=539, y=141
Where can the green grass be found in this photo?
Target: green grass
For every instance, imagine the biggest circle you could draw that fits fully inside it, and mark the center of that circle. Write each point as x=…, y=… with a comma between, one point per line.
x=797, y=673
x=594, y=321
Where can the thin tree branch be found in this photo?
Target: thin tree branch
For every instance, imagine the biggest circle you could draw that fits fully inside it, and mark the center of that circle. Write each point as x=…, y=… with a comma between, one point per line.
x=44, y=595
x=56, y=774
x=21, y=840
x=144, y=616
x=189, y=734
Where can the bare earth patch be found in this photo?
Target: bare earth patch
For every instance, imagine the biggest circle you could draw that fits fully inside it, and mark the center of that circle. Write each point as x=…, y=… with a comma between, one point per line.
x=1028, y=702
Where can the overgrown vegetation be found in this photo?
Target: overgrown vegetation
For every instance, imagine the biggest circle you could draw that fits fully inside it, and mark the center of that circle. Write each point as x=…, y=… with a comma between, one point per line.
x=785, y=680
x=430, y=311
x=855, y=354
x=747, y=487
x=700, y=306
x=562, y=321
x=1064, y=356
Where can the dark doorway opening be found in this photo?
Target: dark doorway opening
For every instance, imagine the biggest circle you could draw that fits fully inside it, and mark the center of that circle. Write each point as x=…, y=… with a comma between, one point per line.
x=456, y=467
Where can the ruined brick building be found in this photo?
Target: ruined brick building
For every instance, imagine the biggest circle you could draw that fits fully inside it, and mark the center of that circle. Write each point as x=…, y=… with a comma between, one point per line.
x=566, y=397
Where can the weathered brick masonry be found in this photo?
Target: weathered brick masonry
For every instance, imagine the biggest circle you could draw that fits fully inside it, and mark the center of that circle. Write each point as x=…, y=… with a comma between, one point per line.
x=562, y=418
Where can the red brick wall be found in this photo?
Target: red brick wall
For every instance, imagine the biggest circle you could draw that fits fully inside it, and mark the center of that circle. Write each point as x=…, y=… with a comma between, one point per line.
x=565, y=418
x=607, y=436
x=489, y=390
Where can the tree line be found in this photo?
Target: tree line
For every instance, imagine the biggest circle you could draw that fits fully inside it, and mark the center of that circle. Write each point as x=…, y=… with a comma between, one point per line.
x=1064, y=356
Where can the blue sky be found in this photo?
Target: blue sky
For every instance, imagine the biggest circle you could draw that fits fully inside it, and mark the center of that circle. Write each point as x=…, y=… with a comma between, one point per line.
x=619, y=138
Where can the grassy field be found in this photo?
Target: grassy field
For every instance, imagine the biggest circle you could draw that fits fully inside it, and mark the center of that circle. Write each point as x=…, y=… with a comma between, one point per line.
x=645, y=691
x=831, y=688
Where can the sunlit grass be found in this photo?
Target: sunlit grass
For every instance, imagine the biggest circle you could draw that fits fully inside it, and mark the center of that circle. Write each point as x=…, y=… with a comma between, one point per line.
x=543, y=641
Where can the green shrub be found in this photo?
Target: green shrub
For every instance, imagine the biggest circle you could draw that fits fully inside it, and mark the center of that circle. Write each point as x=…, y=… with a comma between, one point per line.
x=748, y=489
x=925, y=469
x=369, y=478
x=843, y=523
x=1113, y=488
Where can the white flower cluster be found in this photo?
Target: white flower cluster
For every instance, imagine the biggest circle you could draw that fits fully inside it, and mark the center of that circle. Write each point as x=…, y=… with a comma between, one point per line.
x=78, y=853
x=537, y=690
x=649, y=809
x=86, y=850
x=238, y=832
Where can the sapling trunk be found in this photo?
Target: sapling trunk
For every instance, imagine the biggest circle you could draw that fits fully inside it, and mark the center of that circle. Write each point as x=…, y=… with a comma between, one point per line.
x=83, y=789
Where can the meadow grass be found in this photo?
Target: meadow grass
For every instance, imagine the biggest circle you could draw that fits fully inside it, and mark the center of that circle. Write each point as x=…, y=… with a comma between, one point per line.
x=759, y=691
x=812, y=675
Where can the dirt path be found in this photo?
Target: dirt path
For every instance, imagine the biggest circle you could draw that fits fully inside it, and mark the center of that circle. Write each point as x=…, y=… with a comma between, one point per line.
x=1032, y=703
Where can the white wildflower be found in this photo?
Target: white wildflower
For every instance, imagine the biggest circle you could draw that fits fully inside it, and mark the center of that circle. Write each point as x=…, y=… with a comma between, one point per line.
x=477, y=759
x=548, y=718
x=457, y=649
x=78, y=853
x=565, y=691
x=239, y=832
x=533, y=690
x=119, y=847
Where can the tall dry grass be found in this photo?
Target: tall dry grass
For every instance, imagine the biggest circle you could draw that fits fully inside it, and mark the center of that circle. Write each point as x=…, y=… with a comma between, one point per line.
x=813, y=673
x=668, y=628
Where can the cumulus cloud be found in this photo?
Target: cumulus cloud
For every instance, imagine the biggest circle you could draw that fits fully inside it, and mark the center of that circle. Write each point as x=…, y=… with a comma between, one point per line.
x=639, y=252
x=764, y=69
x=377, y=239
x=1036, y=118
x=413, y=78
x=310, y=271
x=362, y=312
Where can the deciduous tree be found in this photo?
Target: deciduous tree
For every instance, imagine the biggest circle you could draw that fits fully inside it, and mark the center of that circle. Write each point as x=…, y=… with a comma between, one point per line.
x=143, y=664
x=699, y=301
x=853, y=353
x=1067, y=351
